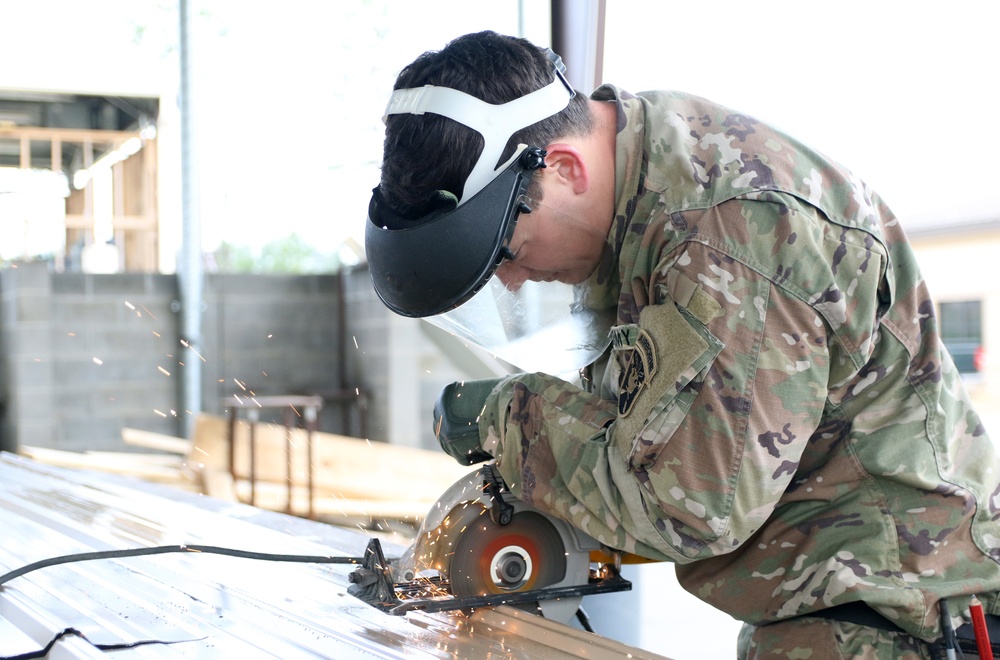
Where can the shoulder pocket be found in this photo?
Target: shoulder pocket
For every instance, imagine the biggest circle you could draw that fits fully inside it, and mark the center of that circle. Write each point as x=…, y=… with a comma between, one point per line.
x=663, y=367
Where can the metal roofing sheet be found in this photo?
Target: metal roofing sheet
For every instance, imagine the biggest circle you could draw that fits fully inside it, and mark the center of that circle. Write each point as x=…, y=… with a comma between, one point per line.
x=211, y=606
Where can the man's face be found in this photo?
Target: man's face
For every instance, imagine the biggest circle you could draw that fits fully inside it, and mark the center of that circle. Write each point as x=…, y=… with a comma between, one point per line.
x=550, y=244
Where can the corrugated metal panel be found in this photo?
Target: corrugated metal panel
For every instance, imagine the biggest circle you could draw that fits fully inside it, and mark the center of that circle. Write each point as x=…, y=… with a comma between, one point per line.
x=216, y=606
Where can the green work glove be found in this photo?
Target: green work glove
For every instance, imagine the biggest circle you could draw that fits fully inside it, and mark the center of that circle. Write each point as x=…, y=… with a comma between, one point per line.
x=456, y=419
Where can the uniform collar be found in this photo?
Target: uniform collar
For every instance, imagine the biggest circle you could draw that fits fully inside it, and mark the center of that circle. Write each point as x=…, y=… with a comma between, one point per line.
x=603, y=285
x=630, y=130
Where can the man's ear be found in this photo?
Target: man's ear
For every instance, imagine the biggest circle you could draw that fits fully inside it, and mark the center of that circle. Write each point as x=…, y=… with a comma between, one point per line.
x=567, y=164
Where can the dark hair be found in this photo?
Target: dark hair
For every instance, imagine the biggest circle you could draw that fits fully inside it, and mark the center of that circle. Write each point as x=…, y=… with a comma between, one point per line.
x=426, y=153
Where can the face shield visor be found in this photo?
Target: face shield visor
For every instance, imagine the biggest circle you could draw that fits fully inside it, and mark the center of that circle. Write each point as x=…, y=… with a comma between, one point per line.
x=428, y=267
x=437, y=266
x=547, y=326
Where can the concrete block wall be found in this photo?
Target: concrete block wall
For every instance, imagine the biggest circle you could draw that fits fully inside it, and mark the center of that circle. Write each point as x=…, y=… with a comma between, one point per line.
x=25, y=358
x=405, y=363
x=86, y=355
x=115, y=357
x=82, y=356
x=393, y=356
x=367, y=352
x=276, y=335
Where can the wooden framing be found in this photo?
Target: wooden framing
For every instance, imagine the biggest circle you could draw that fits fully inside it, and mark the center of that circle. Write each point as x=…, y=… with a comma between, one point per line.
x=135, y=220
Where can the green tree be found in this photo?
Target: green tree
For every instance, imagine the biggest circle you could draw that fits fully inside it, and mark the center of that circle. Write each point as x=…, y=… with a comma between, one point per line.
x=292, y=254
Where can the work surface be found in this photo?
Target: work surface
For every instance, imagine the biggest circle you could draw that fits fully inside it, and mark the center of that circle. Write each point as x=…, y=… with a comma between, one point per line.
x=212, y=606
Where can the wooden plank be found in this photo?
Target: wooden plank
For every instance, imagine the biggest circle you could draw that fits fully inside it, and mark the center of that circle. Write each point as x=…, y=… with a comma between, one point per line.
x=157, y=441
x=275, y=498
x=25, y=152
x=88, y=190
x=353, y=480
x=77, y=460
x=346, y=467
x=141, y=458
x=217, y=483
x=117, y=192
x=45, y=134
x=56, y=151
x=130, y=222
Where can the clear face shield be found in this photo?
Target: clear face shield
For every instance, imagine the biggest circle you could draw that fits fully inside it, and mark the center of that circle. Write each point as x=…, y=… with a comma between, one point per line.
x=541, y=324
x=544, y=326
x=441, y=266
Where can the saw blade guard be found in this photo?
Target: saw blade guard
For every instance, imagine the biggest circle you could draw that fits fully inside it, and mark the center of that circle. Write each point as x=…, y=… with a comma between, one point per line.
x=461, y=543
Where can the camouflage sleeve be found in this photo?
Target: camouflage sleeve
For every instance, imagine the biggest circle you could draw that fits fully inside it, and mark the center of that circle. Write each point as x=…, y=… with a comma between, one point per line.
x=724, y=380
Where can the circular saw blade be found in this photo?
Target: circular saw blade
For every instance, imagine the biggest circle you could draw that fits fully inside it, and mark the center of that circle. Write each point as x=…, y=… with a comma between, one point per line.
x=488, y=558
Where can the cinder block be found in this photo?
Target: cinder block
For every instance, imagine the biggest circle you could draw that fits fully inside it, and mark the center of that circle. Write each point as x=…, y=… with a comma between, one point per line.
x=122, y=285
x=29, y=340
x=70, y=284
x=74, y=400
x=154, y=313
x=119, y=341
x=25, y=371
x=127, y=400
x=37, y=432
x=78, y=371
x=82, y=433
x=33, y=309
x=26, y=276
x=30, y=402
x=167, y=424
x=74, y=314
x=160, y=286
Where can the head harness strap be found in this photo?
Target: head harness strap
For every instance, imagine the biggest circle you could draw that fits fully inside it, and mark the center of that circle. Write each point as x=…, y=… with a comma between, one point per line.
x=496, y=123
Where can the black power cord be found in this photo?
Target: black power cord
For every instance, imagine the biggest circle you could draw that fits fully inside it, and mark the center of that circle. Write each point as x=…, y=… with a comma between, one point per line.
x=165, y=549
x=43, y=652
x=139, y=552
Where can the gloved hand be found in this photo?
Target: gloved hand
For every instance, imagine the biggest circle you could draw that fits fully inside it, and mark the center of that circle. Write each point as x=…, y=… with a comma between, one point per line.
x=456, y=419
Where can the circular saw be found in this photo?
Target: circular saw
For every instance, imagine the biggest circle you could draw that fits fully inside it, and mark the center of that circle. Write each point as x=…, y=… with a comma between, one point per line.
x=480, y=546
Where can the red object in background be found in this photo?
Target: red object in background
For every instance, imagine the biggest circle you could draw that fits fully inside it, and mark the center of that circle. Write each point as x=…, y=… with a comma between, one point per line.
x=979, y=627
x=979, y=359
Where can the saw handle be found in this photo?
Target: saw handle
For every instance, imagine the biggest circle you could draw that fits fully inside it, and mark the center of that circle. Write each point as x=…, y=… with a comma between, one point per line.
x=501, y=512
x=456, y=419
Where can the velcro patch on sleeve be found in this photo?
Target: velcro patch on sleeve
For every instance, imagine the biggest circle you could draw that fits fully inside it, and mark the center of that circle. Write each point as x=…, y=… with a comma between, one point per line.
x=640, y=370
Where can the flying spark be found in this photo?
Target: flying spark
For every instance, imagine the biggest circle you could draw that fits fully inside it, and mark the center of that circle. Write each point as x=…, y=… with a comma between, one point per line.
x=187, y=345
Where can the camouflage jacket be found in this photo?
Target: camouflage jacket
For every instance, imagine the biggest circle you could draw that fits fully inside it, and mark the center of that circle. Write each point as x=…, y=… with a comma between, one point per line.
x=788, y=427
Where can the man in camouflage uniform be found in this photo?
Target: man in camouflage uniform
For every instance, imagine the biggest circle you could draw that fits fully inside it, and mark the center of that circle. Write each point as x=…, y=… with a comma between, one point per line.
x=788, y=428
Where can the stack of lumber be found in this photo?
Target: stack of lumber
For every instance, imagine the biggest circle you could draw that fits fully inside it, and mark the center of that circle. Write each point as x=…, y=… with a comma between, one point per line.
x=162, y=467
x=354, y=481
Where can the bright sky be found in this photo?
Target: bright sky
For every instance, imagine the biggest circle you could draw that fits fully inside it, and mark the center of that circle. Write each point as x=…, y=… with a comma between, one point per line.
x=903, y=93
x=289, y=102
